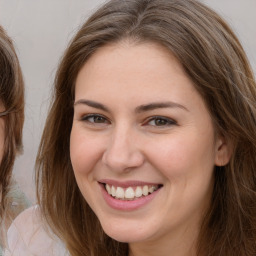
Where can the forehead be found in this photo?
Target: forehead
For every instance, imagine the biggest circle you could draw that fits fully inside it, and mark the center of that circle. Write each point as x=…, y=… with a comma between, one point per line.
x=124, y=77
x=136, y=66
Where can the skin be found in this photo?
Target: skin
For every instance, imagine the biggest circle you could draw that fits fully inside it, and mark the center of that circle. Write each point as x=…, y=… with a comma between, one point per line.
x=177, y=150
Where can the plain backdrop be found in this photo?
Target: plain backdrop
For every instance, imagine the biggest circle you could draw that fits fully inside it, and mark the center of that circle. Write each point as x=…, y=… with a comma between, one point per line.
x=41, y=29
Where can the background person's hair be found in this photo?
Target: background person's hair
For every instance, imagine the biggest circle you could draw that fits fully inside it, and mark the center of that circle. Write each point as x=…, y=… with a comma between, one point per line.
x=12, y=99
x=215, y=61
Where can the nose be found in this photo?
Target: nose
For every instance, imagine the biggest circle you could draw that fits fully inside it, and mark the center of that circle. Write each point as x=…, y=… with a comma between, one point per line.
x=123, y=151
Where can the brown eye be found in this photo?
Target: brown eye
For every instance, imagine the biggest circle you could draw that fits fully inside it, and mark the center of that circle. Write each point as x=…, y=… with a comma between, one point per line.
x=95, y=119
x=99, y=119
x=161, y=121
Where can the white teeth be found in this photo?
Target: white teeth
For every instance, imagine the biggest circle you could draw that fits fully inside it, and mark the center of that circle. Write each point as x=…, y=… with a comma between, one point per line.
x=108, y=188
x=113, y=191
x=152, y=189
x=138, y=192
x=130, y=192
x=145, y=190
x=120, y=193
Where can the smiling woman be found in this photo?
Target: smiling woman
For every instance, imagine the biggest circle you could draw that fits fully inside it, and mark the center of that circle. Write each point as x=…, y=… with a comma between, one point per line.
x=149, y=146
x=138, y=144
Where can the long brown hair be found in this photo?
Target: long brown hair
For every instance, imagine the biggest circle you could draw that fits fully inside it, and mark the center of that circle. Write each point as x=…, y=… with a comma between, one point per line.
x=12, y=99
x=215, y=61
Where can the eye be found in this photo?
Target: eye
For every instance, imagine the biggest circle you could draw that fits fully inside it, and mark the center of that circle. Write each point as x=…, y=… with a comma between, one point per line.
x=95, y=119
x=160, y=121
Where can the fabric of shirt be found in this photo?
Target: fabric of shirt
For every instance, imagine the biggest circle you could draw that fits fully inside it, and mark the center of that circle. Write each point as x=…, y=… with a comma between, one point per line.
x=28, y=235
x=16, y=202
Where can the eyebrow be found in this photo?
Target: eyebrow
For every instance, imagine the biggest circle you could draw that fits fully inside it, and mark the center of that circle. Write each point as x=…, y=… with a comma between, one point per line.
x=139, y=109
x=156, y=105
x=92, y=104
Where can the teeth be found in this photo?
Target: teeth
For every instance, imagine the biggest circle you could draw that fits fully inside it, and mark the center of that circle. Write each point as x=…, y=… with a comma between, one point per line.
x=130, y=193
x=152, y=189
x=113, y=191
x=138, y=192
x=120, y=193
x=145, y=190
x=108, y=188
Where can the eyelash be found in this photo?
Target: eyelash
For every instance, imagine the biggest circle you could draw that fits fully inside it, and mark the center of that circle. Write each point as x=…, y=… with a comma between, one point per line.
x=167, y=121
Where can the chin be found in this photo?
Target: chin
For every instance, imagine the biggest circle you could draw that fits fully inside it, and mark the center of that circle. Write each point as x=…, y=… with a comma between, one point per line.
x=126, y=234
x=125, y=238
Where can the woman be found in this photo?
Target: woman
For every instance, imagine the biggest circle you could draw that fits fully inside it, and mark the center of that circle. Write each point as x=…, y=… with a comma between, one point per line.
x=149, y=146
x=13, y=201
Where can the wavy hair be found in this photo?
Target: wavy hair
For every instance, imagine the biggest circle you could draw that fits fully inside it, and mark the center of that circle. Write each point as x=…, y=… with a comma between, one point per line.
x=215, y=61
x=12, y=99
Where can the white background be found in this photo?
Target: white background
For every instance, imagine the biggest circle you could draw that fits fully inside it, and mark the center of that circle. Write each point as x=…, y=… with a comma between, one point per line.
x=41, y=29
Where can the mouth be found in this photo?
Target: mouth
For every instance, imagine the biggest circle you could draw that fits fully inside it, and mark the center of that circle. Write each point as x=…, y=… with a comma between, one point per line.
x=130, y=193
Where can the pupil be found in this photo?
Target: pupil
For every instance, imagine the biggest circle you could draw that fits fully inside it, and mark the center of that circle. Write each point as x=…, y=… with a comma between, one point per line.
x=160, y=122
x=98, y=119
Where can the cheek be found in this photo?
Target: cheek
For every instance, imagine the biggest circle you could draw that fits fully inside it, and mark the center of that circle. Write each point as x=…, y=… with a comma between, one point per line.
x=188, y=169
x=85, y=151
x=184, y=155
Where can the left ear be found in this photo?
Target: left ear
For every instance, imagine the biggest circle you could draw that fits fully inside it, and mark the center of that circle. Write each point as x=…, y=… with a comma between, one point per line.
x=223, y=151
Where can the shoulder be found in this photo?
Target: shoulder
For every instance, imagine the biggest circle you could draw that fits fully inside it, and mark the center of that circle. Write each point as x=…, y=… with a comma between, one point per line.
x=28, y=236
x=16, y=202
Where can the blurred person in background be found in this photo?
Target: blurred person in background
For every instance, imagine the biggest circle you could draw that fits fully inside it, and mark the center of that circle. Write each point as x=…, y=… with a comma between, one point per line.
x=12, y=200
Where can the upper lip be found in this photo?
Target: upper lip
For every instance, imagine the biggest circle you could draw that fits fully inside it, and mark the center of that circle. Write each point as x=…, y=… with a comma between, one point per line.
x=128, y=183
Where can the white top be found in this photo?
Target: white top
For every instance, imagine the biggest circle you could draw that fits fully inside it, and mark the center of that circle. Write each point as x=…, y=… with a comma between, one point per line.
x=27, y=236
x=16, y=202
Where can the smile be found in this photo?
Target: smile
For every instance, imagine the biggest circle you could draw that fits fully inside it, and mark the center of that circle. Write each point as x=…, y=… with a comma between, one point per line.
x=130, y=193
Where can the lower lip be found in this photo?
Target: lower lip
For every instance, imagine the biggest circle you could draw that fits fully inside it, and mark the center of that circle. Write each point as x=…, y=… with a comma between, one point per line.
x=128, y=205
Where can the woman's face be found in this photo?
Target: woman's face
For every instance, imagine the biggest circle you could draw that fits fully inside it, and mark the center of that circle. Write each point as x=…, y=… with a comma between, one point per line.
x=143, y=146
